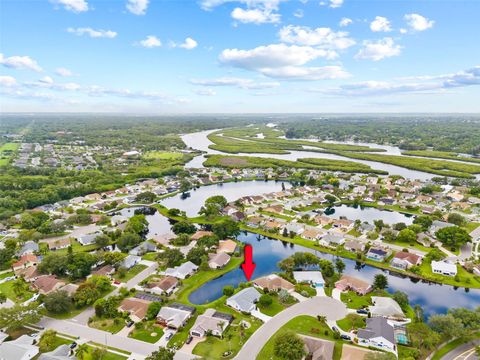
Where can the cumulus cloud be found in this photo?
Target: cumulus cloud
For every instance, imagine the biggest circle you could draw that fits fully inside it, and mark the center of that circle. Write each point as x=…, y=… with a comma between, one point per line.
x=109, y=34
x=137, y=7
x=20, y=62
x=418, y=22
x=345, y=22
x=8, y=81
x=188, y=44
x=378, y=50
x=235, y=82
x=151, y=41
x=336, y=3
x=63, y=72
x=420, y=84
x=205, y=92
x=256, y=16
x=76, y=6
x=380, y=24
x=323, y=37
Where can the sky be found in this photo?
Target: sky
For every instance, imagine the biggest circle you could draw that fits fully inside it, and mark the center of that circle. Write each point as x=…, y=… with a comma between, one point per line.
x=239, y=56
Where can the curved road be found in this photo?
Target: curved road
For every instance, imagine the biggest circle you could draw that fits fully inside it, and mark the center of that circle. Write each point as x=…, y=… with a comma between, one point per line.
x=463, y=352
x=319, y=305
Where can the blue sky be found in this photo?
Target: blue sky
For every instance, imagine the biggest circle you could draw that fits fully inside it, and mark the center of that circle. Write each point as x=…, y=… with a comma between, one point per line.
x=155, y=56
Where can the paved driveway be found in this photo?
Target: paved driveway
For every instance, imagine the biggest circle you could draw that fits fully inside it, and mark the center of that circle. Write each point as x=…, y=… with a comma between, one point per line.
x=325, y=306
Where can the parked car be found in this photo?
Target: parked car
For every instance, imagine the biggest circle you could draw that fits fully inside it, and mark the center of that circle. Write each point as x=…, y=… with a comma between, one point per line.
x=169, y=336
x=362, y=311
x=189, y=339
x=73, y=345
x=130, y=323
x=334, y=328
x=345, y=337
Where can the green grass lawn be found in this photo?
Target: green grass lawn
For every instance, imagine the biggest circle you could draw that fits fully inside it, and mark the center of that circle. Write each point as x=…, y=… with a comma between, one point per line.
x=137, y=269
x=58, y=341
x=163, y=155
x=351, y=321
x=108, y=355
x=7, y=289
x=5, y=275
x=181, y=335
x=6, y=152
x=304, y=325
x=151, y=256
x=273, y=309
x=305, y=290
x=355, y=301
x=234, y=337
x=111, y=325
x=465, y=279
x=149, y=332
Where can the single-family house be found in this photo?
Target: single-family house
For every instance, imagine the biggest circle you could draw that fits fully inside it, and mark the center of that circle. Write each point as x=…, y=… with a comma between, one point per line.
x=245, y=300
x=386, y=307
x=57, y=244
x=378, y=334
x=166, y=285
x=175, y=315
x=143, y=248
x=318, y=349
x=201, y=233
x=314, y=278
x=182, y=271
x=313, y=234
x=29, y=247
x=130, y=261
x=405, y=260
x=227, y=246
x=354, y=246
x=255, y=221
x=332, y=239
x=70, y=289
x=438, y=225
x=377, y=254
x=45, y=284
x=348, y=282
x=444, y=268
x=211, y=321
x=19, y=349
x=105, y=270
x=88, y=239
x=218, y=261
x=137, y=308
x=29, y=274
x=273, y=282
x=25, y=261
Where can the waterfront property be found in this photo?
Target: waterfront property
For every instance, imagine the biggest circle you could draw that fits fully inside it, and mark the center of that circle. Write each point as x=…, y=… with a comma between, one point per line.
x=245, y=300
x=378, y=334
x=211, y=321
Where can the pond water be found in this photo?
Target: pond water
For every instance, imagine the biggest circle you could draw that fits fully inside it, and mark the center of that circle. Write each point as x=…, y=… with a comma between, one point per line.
x=232, y=191
x=369, y=214
x=157, y=223
x=199, y=141
x=433, y=298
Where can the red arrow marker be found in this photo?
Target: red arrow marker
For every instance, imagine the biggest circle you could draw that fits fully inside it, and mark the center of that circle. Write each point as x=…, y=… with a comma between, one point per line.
x=248, y=266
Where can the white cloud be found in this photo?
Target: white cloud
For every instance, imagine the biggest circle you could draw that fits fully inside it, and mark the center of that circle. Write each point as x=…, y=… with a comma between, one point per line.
x=210, y=4
x=403, y=31
x=151, y=41
x=205, y=92
x=380, y=24
x=63, y=72
x=298, y=13
x=378, y=50
x=419, y=84
x=235, y=82
x=417, y=22
x=137, y=7
x=256, y=16
x=307, y=73
x=20, y=62
x=188, y=44
x=345, y=22
x=282, y=61
x=46, y=80
x=8, y=81
x=323, y=37
x=76, y=6
x=336, y=3
x=93, y=33
x=272, y=56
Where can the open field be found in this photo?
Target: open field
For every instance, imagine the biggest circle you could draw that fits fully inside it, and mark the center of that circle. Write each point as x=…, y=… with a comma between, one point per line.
x=6, y=152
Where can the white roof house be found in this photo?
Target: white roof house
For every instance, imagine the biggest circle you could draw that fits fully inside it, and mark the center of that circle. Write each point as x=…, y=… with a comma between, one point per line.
x=312, y=277
x=379, y=334
x=130, y=261
x=182, y=271
x=60, y=353
x=444, y=268
x=211, y=321
x=175, y=315
x=19, y=349
x=386, y=307
x=244, y=300
x=88, y=239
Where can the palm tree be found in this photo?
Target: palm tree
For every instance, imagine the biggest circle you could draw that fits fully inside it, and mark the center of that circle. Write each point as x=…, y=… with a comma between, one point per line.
x=82, y=351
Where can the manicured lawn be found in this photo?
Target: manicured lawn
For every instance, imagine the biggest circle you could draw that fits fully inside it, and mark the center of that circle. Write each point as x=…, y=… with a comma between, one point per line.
x=151, y=256
x=7, y=289
x=465, y=279
x=59, y=341
x=108, y=355
x=234, y=337
x=111, y=325
x=181, y=336
x=137, y=269
x=274, y=308
x=149, y=332
x=304, y=325
x=163, y=155
x=351, y=321
x=305, y=290
x=5, y=275
x=354, y=301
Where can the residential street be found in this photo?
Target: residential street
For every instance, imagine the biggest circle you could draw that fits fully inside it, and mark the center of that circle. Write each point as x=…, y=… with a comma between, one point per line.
x=326, y=306
x=463, y=352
